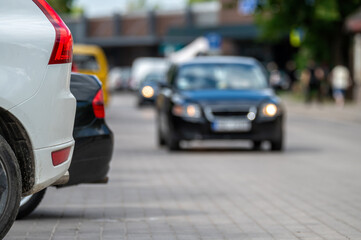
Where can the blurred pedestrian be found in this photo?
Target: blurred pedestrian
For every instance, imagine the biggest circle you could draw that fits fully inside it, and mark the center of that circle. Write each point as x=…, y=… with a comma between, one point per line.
x=340, y=81
x=315, y=78
x=291, y=72
x=275, y=74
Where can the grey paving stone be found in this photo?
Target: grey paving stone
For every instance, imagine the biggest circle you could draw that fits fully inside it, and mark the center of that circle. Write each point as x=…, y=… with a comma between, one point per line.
x=311, y=191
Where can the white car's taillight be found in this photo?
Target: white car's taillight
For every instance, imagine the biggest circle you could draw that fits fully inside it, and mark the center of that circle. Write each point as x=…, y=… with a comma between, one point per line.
x=63, y=46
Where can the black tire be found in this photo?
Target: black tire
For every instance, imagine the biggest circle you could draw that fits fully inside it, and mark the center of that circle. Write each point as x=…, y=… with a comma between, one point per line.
x=173, y=143
x=140, y=103
x=257, y=145
x=12, y=180
x=160, y=139
x=30, y=204
x=277, y=145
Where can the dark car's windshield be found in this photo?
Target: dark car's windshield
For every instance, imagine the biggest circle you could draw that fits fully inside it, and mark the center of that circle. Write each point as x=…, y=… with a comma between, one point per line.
x=221, y=77
x=155, y=78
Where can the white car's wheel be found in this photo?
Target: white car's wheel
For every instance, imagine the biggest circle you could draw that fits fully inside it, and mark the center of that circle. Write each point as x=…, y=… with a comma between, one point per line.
x=10, y=187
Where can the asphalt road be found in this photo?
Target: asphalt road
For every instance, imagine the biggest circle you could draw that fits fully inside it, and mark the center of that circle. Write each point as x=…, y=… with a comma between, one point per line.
x=215, y=190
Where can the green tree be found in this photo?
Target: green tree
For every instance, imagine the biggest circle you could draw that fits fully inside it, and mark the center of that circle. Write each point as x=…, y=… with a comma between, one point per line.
x=141, y=5
x=136, y=5
x=321, y=21
x=190, y=2
x=61, y=6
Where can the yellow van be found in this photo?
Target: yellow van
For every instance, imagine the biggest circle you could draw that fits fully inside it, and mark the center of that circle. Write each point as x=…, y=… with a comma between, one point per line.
x=90, y=59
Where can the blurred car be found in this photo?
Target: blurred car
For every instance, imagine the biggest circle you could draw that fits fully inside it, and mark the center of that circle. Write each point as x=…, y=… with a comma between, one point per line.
x=36, y=107
x=91, y=59
x=93, y=140
x=143, y=66
x=149, y=88
x=119, y=78
x=219, y=98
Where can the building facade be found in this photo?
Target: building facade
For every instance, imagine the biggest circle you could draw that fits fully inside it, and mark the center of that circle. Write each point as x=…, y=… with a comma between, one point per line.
x=156, y=33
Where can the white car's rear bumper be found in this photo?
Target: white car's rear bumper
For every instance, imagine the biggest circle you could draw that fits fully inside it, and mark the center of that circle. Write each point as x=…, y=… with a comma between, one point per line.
x=45, y=172
x=48, y=118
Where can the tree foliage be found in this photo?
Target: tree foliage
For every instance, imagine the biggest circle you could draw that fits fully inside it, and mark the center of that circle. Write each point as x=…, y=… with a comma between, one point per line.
x=61, y=6
x=321, y=21
x=190, y=2
x=136, y=5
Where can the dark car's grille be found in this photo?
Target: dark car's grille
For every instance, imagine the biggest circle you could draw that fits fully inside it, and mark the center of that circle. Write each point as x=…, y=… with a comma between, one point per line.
x=230, y=113
x=225, y=111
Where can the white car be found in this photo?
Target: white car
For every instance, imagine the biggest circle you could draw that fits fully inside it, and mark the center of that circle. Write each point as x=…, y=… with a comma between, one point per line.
x=118, y=78
x=37, y=109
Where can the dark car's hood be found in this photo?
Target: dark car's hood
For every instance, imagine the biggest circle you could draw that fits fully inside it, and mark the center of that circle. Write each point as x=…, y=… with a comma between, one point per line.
x=214, y=97
x=149, y=83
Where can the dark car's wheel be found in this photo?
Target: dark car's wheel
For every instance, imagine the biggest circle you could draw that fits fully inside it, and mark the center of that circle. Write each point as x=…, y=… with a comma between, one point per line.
x=256, y=145
x=277, y=145
x=30, y=203
x=173, y=143
x=140, y=103
x=160, y=139
x=10, y=187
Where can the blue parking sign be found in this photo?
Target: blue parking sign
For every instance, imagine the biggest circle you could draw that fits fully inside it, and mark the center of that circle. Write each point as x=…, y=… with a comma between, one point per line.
x=247, y=6
x=214, y=40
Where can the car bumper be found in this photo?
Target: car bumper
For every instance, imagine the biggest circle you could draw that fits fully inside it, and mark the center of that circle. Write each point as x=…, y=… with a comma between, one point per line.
x=48, y=118
x=45, y=172
x=262, y=130
x=92, y=154
x=142, y=99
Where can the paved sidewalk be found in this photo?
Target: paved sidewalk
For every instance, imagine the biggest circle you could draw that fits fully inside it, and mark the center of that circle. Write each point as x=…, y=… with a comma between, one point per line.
x=327, y=111
x=312, y=191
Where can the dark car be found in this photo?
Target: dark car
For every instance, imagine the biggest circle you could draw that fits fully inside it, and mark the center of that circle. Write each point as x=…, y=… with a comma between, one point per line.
x=93, y=140
x=219, y=98
x=149, y=88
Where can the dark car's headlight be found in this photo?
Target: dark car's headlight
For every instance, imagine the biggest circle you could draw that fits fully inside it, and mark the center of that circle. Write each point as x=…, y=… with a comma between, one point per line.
x=187, y=110
x=148, y=91
x=270, y=110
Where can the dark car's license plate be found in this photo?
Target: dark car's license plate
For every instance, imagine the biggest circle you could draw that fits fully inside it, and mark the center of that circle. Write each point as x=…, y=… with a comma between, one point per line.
x=231, y=126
